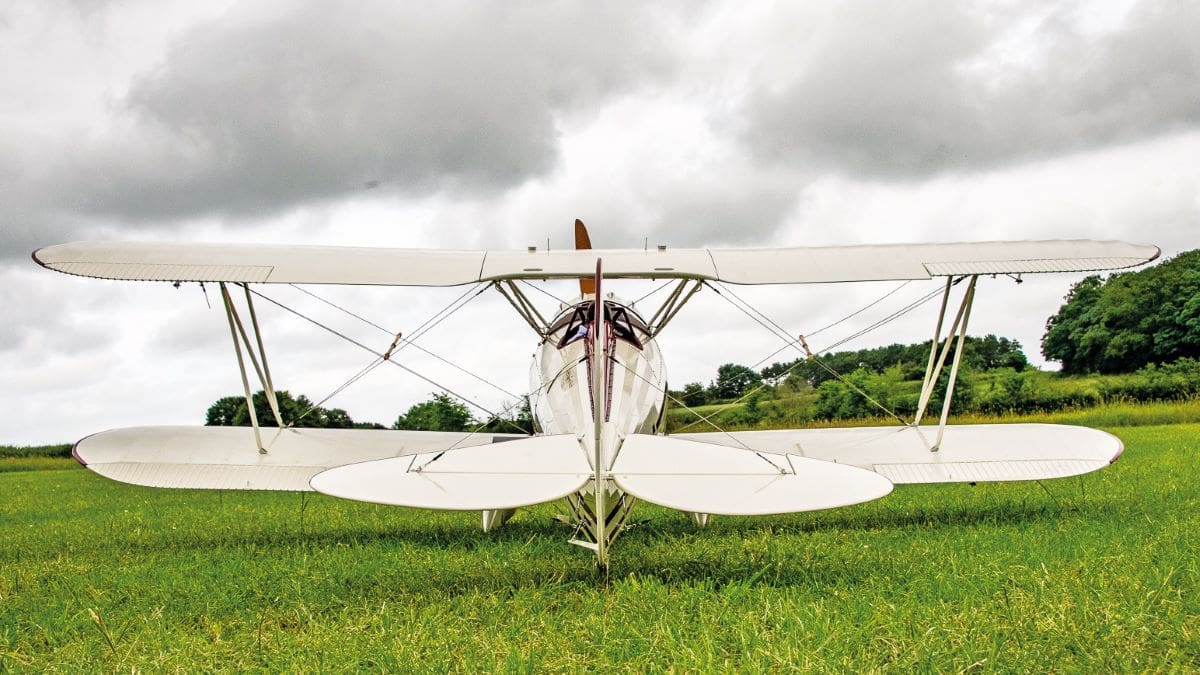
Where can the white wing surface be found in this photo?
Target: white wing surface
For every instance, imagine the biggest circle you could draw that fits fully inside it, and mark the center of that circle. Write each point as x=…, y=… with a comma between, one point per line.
x=703, y=478
x=226, y=458
x=969, y=453
x=487, y=477
x=144, y=261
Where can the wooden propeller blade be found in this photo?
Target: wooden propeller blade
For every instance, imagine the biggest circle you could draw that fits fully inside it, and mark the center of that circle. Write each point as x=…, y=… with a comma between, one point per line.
x=582, y=243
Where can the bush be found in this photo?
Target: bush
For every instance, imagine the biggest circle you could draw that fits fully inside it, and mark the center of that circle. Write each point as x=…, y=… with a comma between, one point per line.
x=63, y=450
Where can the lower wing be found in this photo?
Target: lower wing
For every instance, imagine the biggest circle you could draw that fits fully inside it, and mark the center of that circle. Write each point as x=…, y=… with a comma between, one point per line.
x=765, y=472
x=228, y=458
x=968, y=453
x=424, y=469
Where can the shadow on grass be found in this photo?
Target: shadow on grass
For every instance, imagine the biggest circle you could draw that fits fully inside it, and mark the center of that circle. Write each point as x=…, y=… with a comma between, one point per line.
x=449, y=555
x=468, y=536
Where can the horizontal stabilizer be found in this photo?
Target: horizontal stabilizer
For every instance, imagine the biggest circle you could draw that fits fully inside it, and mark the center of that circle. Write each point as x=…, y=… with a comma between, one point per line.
x=226, y=458
x=703, y=478
x=499, y=476
x=969, y=453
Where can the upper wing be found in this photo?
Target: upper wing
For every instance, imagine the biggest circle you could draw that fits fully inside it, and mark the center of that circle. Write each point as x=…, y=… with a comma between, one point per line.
x=143, y=261
x=969, y=453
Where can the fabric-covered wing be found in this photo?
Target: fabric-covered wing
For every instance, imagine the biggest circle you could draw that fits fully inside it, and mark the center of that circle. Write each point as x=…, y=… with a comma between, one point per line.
x=226, y=458
x=262, y=263
x=969, y=453
x=922, y=261
x=144, y=261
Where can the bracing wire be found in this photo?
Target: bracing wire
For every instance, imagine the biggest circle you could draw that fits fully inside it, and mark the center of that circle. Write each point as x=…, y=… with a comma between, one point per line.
x=860, y=310
x=375, y=363
x=343, y=309
x=887, y=319
x=773, y=327
x=714, y=425
x=404, y=342
x=372, y=351
x=544, y=292
x=668, y=283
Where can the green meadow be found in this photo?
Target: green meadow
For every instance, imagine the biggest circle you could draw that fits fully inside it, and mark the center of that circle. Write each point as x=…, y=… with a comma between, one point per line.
x=1097, y=573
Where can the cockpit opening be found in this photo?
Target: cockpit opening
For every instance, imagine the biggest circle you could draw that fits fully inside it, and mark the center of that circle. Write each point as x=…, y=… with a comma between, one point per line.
x=576, y=324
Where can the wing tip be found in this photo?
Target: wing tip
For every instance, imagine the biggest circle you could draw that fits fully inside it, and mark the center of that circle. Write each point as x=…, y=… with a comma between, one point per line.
x=75, y=450
x=75, y=455
x=36, y=259
x=1157, y=253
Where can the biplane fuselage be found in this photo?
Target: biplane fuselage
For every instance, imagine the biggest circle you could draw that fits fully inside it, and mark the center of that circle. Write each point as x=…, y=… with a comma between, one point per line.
x=562, y=401
x=632, y=390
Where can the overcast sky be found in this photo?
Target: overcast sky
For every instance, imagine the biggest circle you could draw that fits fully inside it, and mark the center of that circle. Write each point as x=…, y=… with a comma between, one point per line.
x=494, y=125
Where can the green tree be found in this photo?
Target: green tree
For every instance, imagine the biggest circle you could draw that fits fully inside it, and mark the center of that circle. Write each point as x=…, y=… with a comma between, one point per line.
x=1129, y=320
x=225, y=410
x=693, y=395
x=1064, y=337
x=440, y=413
x=733, y=381
x=299, y=411
x=514, y=419
x=837, y=400
x=990, y=352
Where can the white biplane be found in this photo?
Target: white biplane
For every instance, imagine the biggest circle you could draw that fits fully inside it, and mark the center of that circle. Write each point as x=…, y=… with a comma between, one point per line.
x=599, y=389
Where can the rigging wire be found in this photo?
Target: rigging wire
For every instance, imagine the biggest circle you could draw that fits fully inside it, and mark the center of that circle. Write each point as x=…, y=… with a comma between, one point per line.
x=888, y=319
x=402, y=342
x=665, y=392
x=773, y=327
x=860, y=310
x=545, y=292
x=342, y=309
x=779, y=332
x=668, y=283
x=525, y=398
x=375, y=363
x=372, y=351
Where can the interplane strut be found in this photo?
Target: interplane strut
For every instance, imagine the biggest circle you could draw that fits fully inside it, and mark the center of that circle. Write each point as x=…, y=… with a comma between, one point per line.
x=259, y=360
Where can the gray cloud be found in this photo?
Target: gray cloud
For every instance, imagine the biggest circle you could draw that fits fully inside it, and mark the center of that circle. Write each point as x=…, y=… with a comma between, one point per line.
x=720, y=211
x=259, y=112
x=267, y=109
x=889, y=91
x=42, y=317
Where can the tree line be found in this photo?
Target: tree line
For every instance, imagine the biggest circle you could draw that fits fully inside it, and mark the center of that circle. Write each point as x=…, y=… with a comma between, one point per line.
x=438, y=413
x=733, y=380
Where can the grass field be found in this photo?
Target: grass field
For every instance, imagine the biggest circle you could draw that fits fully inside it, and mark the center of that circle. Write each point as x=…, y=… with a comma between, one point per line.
x=1097, y=573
